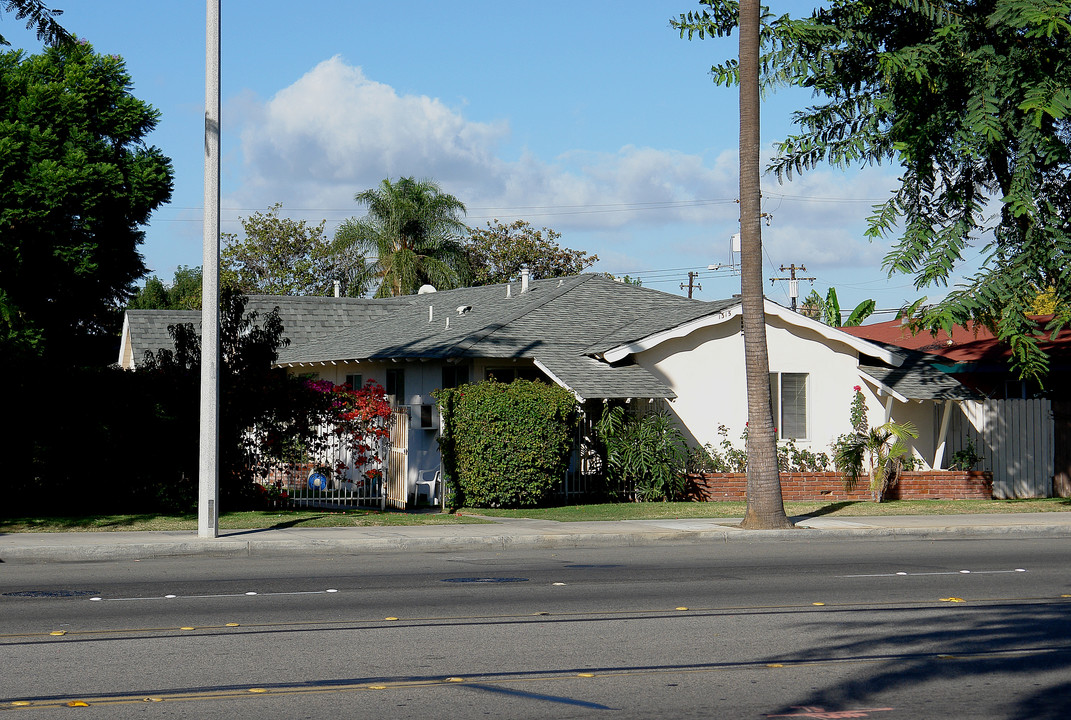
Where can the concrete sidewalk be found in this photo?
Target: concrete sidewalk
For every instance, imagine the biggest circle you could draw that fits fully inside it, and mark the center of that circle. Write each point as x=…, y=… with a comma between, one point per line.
x=505, y=533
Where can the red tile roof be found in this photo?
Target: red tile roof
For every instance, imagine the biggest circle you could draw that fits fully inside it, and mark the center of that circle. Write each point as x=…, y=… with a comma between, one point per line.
x=975, y=344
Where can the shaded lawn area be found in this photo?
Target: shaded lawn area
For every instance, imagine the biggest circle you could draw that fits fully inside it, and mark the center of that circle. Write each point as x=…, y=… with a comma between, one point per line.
x=568, y=513
x=258, y=519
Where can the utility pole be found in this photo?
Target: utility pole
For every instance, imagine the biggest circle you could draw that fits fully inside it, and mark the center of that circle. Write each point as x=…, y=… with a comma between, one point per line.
x=793, y=281
x=692, y=283
x=208, y=462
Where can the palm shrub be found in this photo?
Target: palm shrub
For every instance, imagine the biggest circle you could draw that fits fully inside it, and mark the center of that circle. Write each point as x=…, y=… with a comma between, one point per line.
x=646, y=453
x=882, y=448
x=505, y=445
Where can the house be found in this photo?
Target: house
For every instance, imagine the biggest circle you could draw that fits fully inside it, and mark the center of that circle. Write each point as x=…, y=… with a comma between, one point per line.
x=602, y=340
x=1020, y=427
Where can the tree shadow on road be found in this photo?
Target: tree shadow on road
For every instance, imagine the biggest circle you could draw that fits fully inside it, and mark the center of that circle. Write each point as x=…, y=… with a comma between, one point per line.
x=1031, y=642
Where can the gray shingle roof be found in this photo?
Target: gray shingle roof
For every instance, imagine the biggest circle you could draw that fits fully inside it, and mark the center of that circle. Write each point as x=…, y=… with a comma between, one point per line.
x=303, y=318
x=148, y=329
x=594, y=380
x=559, y=323
x=585, y=313
x=917, y=378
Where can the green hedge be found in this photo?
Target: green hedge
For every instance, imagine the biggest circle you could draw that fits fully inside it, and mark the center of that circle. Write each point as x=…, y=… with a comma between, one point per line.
x=506, y=445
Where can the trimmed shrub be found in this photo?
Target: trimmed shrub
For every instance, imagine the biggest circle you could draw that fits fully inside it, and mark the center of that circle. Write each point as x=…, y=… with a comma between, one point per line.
x=505, y=445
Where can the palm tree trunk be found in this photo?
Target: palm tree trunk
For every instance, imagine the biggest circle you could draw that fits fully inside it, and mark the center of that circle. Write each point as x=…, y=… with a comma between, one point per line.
x=765, y=507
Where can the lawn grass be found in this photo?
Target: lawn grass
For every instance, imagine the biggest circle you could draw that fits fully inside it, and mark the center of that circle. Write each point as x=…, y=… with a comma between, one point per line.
x=567, y=513
x=233, y=521
x=659, y=510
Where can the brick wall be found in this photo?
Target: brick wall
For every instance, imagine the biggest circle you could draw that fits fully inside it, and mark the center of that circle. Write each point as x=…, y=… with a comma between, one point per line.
x=817, y=486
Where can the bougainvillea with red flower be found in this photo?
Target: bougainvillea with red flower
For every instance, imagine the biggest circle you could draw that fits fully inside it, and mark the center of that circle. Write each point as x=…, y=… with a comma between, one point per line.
x=356, y=419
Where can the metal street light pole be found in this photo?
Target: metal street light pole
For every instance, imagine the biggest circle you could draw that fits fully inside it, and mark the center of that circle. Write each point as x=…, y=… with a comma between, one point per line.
x=208, y=466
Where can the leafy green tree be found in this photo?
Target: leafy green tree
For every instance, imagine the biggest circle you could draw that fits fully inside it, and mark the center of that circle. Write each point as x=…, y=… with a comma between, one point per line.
x=971, y=98
x=280, y=256
x=497, y=252
x=184, y=292
x=253, y=394
x=414, y=231
x=77, y=182
x=39, y=18
x=828, y=310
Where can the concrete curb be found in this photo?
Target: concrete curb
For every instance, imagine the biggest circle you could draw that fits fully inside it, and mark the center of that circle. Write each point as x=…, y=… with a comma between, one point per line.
x=32, y=549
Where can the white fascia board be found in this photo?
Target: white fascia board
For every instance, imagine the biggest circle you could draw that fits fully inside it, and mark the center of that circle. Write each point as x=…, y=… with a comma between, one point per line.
x=124, y=344
x=557, y=379
x=883, y=387
x=792, y=318
x=716, y=318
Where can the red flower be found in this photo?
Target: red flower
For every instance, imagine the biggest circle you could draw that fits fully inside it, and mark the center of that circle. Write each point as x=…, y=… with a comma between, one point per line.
x=857, y=388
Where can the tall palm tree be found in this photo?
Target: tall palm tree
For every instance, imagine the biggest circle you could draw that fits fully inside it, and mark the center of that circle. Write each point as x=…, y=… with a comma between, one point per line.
x=414, y=231
x=765, y=507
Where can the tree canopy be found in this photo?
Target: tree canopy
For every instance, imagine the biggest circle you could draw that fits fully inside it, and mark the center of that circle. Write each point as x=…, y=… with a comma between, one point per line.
x=280, y=256
x=497, y=252
x=77, y=182
x=40, y=18
x=252, y=391
x=414, y=231
x=184, y=292
x=971, y=98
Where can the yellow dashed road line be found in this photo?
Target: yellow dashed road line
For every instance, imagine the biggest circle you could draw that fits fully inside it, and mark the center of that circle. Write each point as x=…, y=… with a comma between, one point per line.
x=461, y=681
x=369, y=623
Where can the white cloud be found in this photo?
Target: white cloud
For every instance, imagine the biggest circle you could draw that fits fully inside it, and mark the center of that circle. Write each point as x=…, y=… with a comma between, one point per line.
x=335, y=132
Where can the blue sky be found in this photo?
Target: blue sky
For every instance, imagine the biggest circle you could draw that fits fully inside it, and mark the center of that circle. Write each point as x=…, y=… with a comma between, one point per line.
x=591, y=117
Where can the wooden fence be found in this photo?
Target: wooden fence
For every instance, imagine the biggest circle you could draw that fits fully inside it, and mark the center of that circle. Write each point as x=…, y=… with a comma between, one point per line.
x=1015, y=439
x=397, y=485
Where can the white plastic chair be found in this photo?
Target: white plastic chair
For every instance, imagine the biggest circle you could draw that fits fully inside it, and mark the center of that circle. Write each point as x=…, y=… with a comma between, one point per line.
x=428, y=486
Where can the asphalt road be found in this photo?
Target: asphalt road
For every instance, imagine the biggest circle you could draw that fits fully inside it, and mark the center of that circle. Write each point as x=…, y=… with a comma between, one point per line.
x=885, y=628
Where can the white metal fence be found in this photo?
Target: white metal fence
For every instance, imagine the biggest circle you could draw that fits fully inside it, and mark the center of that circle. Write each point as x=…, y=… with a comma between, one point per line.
x=1015, y=439
x=331, y=479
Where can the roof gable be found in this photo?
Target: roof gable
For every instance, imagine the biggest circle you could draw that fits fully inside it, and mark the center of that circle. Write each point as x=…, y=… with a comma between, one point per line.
x=723, y=311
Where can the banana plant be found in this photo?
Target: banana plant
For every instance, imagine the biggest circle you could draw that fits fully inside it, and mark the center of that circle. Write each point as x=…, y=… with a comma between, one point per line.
x=828, y=310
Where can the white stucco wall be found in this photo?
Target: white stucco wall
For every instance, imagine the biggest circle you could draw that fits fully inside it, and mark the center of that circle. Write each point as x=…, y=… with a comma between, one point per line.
x=706, y=370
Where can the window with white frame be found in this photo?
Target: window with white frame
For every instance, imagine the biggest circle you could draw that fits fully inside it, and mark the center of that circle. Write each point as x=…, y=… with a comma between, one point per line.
x=355, y=381
x=788, y=393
